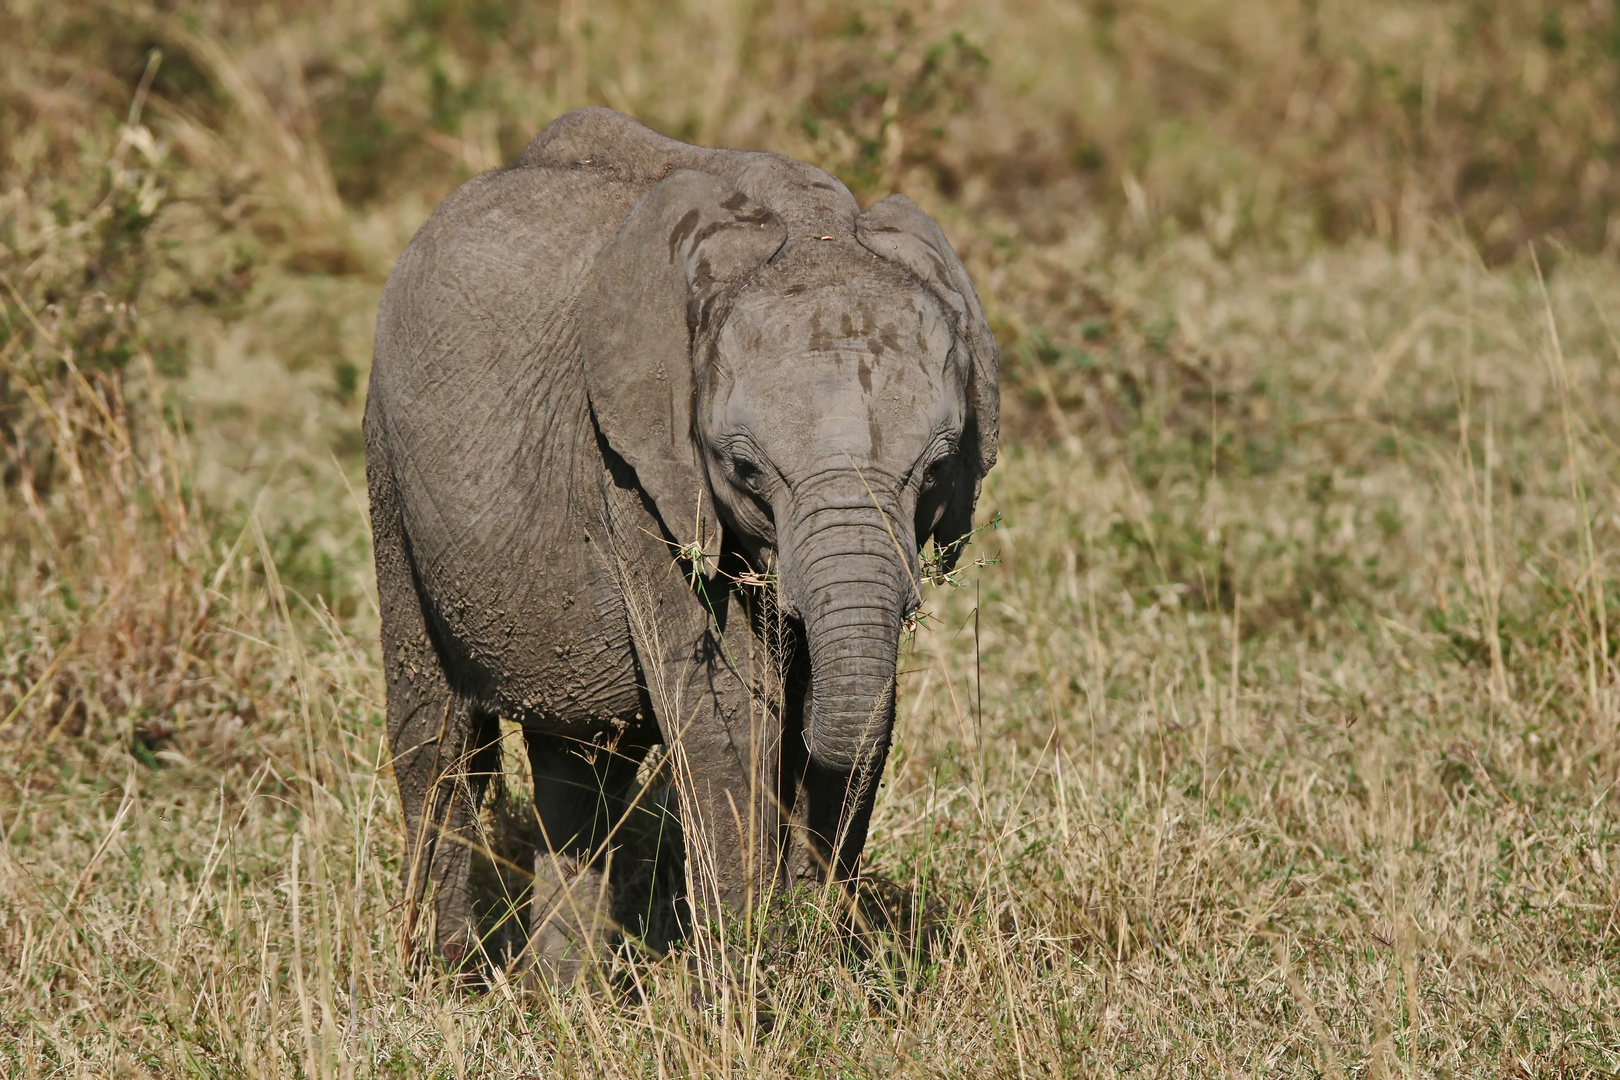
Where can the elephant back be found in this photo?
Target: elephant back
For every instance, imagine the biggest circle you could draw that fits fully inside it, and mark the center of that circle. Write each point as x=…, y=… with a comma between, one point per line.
x=813, y=202
x=597, y=138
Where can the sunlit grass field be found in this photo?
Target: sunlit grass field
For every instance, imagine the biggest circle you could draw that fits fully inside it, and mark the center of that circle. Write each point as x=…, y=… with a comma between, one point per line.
x=1274, y=735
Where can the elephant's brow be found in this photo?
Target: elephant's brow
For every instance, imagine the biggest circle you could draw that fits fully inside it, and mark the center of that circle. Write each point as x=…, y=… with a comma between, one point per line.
x=861, y=353
x=864, y=346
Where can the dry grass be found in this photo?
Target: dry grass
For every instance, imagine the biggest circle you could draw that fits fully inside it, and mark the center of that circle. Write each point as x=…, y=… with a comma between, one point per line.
x=1278, y=740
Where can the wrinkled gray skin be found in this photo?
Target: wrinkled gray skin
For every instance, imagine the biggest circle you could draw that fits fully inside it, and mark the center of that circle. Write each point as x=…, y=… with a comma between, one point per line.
x=609, y=380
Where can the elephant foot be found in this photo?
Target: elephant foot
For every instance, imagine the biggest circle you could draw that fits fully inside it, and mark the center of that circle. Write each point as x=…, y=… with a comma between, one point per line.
x=460, y=962
x=729, y=984
x=444, y=949
x=571, y=925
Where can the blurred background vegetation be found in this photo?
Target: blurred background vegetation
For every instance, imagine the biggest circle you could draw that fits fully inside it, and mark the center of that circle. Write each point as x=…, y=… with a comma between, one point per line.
x=222, y=187
x=203, y=153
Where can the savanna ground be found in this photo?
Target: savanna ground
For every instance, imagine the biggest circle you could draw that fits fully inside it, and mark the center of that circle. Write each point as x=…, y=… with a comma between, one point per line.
x=1277, y=737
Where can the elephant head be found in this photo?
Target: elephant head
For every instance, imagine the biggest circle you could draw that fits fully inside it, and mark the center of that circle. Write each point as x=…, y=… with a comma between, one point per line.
x=819, y=384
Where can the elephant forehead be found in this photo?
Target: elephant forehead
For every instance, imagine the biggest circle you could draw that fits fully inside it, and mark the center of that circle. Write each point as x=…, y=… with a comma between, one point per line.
x=771, y=327
x=841, y=400
x=837, y=370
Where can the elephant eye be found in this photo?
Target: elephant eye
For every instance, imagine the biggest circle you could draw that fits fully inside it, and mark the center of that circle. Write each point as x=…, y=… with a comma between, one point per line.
x=744, y=469
x=935, y=473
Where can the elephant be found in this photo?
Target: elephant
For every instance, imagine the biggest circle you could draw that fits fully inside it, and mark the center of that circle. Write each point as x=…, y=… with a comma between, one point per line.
x=656, y=435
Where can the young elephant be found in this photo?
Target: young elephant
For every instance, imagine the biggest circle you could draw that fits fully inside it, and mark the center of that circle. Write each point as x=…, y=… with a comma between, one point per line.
x=609, y=382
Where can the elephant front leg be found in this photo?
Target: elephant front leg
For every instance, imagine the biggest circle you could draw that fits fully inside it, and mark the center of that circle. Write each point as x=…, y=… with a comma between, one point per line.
x=831, y=813
x=711, y=694
x=714, y=689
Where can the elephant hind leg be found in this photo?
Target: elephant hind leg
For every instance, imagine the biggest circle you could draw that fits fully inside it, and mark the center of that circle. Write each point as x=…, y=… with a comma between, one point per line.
x=445, y=753
x=580, y=796
x=443, y=748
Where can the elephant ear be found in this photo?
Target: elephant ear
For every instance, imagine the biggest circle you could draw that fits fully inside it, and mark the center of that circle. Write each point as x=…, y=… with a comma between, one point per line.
x=895, y=229
x=675, y=253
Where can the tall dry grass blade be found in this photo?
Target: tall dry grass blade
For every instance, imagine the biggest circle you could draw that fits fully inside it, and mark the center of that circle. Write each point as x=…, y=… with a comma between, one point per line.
x=1595, y=616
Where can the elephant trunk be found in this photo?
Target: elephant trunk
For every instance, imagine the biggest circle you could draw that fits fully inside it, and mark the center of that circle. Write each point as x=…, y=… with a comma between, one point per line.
x=852, y=591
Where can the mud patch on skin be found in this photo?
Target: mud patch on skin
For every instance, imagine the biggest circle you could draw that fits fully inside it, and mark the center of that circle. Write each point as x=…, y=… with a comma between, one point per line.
x=683, y=229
